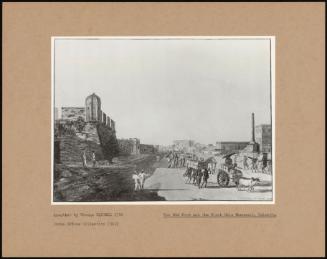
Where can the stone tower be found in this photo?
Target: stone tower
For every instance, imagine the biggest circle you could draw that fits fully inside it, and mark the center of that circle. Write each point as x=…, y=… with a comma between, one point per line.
x=93, y=108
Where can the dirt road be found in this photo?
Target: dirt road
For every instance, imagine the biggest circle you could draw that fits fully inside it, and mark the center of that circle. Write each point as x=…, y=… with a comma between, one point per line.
x=170, y=184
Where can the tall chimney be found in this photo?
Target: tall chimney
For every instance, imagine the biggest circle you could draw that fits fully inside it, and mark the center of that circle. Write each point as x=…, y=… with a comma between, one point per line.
x=253, y=138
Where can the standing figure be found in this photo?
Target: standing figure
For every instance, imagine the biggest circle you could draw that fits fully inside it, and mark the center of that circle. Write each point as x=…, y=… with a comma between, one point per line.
x=136, y=181
x=235, y=159
x=84, y=159
x=93, y=159
x=199, y=177
x=176, y=161
x=205, y=178
x=194, y=175
x=142, y=176
x=210, y=168
x=245, y=162
x=228, y=163
x=189, y=175
x=254, y=165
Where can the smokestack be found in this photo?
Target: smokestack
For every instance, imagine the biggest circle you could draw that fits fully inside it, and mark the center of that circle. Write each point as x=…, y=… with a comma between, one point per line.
x=253, y=126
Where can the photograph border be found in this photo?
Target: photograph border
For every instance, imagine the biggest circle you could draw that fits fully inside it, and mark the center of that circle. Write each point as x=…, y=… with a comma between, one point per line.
x=190, y=202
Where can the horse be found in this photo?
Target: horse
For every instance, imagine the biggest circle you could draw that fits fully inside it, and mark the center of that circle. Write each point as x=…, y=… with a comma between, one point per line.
x=194, y=175
x=188, y=175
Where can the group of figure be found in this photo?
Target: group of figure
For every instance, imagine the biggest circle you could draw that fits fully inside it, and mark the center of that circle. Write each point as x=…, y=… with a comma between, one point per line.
x=175, y=160
x=84, y=159
x=139, y=179
x=198, y=177
x=257, y=163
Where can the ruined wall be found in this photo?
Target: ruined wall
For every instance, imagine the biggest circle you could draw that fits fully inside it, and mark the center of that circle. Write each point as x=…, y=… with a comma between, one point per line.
x=69, y=144
x=86, y=128
x=112, y=124
x=90, y=132
x=104, y=118
x=108, y=122
x=72, y=113
x=129, y=146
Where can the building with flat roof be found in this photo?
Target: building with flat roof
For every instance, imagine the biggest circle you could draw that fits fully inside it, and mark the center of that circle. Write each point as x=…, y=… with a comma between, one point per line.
x=263, y=136
x=229, y=146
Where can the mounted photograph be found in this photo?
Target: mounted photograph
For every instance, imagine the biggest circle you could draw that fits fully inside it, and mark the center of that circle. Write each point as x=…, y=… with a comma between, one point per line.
x=163, y=120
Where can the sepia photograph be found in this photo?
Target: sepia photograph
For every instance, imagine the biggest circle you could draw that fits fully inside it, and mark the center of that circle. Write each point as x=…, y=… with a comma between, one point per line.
x=163, y=120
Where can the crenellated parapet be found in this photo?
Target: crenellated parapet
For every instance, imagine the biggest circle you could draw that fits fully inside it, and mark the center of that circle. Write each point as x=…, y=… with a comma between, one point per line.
x=108, y=122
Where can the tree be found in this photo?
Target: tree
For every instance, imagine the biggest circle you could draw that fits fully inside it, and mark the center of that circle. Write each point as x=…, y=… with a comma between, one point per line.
x=108, y=141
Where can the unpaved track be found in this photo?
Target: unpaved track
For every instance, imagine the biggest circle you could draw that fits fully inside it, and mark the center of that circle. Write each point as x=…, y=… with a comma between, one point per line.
x=170, y=184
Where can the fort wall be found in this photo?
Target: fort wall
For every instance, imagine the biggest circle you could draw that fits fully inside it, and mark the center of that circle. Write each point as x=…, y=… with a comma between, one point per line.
x=72, y=113
x=90, y=129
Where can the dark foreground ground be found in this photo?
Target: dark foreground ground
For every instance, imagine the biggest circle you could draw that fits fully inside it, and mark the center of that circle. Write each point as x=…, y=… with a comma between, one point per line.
x=73, y=183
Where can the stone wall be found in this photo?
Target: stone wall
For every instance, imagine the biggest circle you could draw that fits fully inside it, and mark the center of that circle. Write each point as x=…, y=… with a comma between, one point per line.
x=87, y=124
x=112, y=124
x=90, y=132
x=104, y=118
x=72, y=113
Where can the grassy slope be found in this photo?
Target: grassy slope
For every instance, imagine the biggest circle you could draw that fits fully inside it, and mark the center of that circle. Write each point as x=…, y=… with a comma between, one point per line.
x=101, y=184
x=72, y=182
x=71, y=148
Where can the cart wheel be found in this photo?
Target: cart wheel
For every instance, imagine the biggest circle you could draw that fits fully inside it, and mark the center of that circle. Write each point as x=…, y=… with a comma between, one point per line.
x=222, y=178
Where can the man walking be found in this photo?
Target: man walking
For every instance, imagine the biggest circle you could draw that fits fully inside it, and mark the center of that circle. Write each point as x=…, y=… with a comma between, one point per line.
x=136, y=181
x=205, y=178
x=245, y=163
x=84, y=159
x=199, y=177
x=142, y=176
x=254, y=165
x=93, y=159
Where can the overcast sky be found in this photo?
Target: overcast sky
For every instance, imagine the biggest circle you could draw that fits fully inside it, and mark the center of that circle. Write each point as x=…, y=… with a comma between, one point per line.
x=163, y=90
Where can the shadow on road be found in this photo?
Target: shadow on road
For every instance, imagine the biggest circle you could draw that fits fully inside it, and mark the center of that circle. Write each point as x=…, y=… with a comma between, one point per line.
x=262, y=190
x=166, y=189
x=220, y=187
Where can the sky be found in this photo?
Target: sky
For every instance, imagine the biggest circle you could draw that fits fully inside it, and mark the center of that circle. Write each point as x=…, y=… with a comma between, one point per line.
x=160, y=90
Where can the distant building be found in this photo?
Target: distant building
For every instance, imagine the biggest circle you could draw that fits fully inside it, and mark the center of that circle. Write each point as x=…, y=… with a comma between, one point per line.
x=147, y=149
x=129, y=146
x=263, y=137
x=224, y=146
x=162, y=148
x=183, y=145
